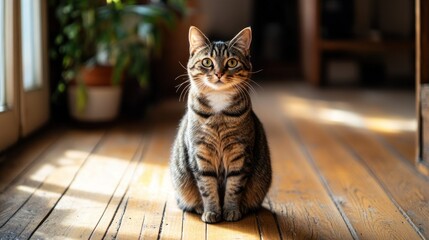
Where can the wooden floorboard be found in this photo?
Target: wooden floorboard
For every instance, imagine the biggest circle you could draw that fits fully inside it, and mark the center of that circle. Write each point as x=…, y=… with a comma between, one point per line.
x=118, y=197
x=364, y=202
x=25, y=156
x=25, y=204
x=302, y=205
x=172, y=223
x=193, y=229
x=341, y=170
x=147, y=198
x=401, y=144
x=396, y=176
x=268, y=226
x=82, y=206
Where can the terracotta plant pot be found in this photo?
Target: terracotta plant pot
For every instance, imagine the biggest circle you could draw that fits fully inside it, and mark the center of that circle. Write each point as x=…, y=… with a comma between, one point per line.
x=102, y=103
x=97, y=75
x=101, y=98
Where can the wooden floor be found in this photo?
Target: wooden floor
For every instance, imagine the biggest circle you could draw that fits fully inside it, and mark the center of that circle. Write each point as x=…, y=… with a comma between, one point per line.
x=341, y=162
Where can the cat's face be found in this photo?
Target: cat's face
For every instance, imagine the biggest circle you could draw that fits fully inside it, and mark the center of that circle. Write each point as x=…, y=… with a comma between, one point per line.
x=219, y=65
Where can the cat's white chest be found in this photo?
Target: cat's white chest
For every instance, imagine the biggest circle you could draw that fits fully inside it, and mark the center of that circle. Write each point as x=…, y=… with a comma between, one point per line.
x=219, y=100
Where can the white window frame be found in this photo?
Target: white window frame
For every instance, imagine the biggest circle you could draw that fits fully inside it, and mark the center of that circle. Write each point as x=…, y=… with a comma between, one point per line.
x=28, y=110
x=35, y=102
x=2, y=58
x=9, y=117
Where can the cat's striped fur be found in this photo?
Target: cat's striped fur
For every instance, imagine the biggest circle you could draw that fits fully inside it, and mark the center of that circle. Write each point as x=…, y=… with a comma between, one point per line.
x=220, y=163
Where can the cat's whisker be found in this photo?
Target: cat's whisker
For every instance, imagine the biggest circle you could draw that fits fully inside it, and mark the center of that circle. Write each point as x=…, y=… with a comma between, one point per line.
x=249, y=91
x=255, y=83
x=181, y=75
x=183, y=90
x=242, y=88
x=237, y=88
x=250, y=87
x=257, y=71
x=180, y=85
x=245, y=92
x=180, y=98
x=183, y=66
x=253, y=89
x=186, y=93
x=187, y=80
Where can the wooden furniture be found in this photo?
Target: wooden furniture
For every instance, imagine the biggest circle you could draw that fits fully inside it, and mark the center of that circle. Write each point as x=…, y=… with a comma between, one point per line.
x=313, y=46
x=422, y=84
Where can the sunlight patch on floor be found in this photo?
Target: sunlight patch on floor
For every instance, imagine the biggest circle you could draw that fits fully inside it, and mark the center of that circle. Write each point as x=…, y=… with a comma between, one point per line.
x=338, y=113
x=42, y=172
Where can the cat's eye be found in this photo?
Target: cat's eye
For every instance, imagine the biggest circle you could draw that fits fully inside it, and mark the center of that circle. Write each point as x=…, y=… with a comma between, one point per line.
x=232, y=63
x=207, y=62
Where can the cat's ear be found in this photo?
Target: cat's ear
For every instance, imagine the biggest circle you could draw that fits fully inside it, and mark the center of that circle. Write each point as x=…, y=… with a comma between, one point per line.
x=196, y=39
x=242, y=40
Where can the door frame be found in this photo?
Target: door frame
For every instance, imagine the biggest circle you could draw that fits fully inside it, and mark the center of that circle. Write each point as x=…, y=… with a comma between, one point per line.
x=422, y=85
x=34, y=104
x=26, y=111
x=10, y=117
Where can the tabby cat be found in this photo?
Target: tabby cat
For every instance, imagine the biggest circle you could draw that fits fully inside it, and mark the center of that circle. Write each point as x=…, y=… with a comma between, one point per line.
x=220, y=162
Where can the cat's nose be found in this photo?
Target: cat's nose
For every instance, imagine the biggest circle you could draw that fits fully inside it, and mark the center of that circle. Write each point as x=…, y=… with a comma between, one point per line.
x=219, y=74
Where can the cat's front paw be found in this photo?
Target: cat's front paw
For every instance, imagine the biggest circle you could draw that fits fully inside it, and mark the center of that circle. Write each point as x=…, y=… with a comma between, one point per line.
x=232, y=215
x=211, y=217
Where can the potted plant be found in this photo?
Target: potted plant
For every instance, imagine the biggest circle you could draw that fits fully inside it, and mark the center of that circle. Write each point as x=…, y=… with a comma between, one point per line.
x=103, y=43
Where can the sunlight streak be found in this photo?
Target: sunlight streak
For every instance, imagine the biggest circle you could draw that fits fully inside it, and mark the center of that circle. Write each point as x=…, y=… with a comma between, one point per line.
x=345, y=115
x=42, y=172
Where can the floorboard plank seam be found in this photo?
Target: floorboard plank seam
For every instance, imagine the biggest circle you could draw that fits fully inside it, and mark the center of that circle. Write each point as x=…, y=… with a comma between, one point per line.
x=126, y=194
x=183, y=223
x=307, y=154
x=33, y=162
x=357, y=157
x=142, y=228
x=276, y=220
x=206, y=230
x=136, y=159
x=96, y=146
x=122, y=204
x=398, y=155
x=162, y=221
x=258, y=224
x=22, y=205
x=120, y=219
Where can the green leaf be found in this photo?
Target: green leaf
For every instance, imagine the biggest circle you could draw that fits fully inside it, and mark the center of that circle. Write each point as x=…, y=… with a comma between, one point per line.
x=122, y=62
x=81, y=97
x=88, y=18
x=72, y=30
x=59, y=39
x=61, y=87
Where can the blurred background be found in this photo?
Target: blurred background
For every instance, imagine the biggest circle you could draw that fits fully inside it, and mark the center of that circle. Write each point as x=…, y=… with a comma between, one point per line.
x=96, y=61
x=92, y=91
x=325, y=43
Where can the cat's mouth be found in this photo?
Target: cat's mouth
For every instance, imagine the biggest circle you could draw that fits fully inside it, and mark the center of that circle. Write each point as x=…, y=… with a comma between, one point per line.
x=216, y=83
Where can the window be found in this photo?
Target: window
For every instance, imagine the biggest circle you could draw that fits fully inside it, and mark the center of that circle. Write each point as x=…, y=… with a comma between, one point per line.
x=2, y=55
x=24, y=93
x=31, y=44
x=9, y=112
